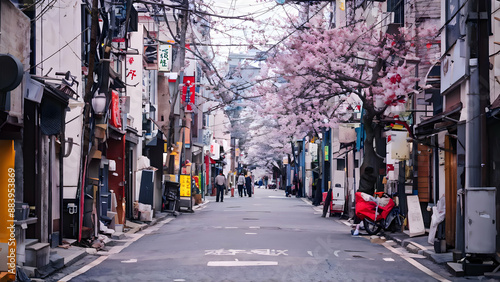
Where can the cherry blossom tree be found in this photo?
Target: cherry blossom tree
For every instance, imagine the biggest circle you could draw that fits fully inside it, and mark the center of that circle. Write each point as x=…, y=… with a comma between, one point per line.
x=315, y=72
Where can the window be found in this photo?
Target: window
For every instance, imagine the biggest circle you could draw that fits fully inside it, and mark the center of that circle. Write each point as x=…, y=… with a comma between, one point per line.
x=340, y=164
x=397, y=7
x=453, y=26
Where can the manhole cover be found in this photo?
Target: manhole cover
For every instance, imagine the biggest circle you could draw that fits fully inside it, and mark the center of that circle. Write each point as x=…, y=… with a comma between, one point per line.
x=249, y=218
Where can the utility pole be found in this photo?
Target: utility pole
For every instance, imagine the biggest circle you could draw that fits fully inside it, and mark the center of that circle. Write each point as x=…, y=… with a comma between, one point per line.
x=87, y=99
x=477, y=99
x=178, y=66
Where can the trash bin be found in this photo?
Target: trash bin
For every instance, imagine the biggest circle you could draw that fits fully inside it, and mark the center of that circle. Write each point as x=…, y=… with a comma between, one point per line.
x=171, y=196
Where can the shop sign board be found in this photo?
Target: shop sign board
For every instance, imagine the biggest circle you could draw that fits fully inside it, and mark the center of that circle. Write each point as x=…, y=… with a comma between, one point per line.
x=185, y=181
x=215, y=151
x=165, y=57
x=7, y=207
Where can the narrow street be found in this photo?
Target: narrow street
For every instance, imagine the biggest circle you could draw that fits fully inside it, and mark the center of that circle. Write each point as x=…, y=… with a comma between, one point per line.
x=264, y=238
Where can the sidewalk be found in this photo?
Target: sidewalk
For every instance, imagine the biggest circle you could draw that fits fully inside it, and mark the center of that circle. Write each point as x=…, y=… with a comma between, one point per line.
x=420, y=245
x=416, y=245
x=68, y=254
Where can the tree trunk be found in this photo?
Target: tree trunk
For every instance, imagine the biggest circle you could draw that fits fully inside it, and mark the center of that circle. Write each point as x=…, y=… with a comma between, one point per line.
x=371, y=162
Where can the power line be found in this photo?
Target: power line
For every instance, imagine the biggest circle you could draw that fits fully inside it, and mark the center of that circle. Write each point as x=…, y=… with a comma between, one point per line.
x=59, y=50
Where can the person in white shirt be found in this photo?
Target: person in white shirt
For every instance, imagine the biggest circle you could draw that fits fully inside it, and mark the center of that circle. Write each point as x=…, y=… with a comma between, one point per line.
x=220, y=183
x=241, y=184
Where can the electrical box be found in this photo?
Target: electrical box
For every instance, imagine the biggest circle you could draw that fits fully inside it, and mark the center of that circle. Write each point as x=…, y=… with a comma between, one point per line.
x=480, y=220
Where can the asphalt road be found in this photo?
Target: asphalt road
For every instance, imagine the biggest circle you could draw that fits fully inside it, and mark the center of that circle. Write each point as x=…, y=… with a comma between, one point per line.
x=267, y=237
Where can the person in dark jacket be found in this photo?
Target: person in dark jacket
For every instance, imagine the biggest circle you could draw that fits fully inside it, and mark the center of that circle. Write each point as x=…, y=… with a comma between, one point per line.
x=248, y=183
x=241, y=184
x=220, y=183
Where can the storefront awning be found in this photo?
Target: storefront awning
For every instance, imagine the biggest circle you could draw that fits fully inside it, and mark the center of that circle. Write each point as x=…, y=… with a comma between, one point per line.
x=439, y=122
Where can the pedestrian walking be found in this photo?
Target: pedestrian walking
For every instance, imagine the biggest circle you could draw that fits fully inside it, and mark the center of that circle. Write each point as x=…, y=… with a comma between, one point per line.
x=220, y=183
x=296, y=185
x=248, y=182
x=241, y=183
x=327, y=203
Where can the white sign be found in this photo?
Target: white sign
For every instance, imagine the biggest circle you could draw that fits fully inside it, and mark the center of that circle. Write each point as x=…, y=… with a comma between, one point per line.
x=215, y=151
x=347, y=134
x=313, y=149
x=415, y=219
x=33, y=90
x=165, y=57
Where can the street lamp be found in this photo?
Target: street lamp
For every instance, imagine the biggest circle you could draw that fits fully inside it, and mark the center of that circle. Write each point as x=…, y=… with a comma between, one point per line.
x=99, y=103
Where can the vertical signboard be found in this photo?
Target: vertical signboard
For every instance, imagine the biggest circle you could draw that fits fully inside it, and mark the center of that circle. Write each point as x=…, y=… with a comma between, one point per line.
x=215, y=151
x=164, y=57
x=7, y=208
x=185, y=182
x=188, y=93
x=115, y=119
x=134, y=81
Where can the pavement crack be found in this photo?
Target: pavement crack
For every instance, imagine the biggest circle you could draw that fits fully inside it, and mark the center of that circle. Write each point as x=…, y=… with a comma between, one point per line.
x=330, y=266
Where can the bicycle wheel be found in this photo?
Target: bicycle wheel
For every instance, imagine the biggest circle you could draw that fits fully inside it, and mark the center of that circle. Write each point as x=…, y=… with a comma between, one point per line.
x=370, y=226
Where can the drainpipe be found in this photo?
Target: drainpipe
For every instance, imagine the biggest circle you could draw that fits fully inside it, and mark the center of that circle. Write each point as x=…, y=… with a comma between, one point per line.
x=62, y=152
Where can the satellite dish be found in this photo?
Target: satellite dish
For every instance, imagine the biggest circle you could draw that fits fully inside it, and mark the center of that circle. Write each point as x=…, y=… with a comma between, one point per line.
x=11, y=72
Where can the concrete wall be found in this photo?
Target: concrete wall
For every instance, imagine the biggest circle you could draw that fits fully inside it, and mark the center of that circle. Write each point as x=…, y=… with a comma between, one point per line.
x=14, y=40
x=494, y=49
x=58, y=49
x=133, y=78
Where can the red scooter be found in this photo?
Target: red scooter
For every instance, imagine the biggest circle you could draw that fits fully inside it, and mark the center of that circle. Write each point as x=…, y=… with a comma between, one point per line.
x=376, y=212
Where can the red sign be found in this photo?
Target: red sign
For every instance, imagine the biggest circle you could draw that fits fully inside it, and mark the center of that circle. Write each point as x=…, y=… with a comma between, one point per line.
x=188, y=93
x=115, y=120
x=390, y=167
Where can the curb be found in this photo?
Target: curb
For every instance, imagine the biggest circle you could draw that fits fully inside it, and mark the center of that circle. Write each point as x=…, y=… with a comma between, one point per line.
x=413, y=247
x=74, y=258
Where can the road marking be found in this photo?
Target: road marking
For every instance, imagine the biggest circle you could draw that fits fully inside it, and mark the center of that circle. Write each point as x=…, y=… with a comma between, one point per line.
x=336, y=253
x=233, y=252
x=388, y=259
x=84, y=269
x=113, y=250
x=310, y=253
x=241, y=263
x=420, y=246
x=179, y=280
x=278, y=197
x=231, y=227
x=248, y=233
x=254, y=227
x=129, y=261
x=416, y=264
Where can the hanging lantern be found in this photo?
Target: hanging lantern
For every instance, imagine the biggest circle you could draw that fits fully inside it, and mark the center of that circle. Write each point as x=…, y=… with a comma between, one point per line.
x=99, y=103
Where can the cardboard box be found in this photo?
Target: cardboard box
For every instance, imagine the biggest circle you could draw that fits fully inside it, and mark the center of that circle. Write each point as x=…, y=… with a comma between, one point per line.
x=146, y=215
x=144, y=208
x=197, y=199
